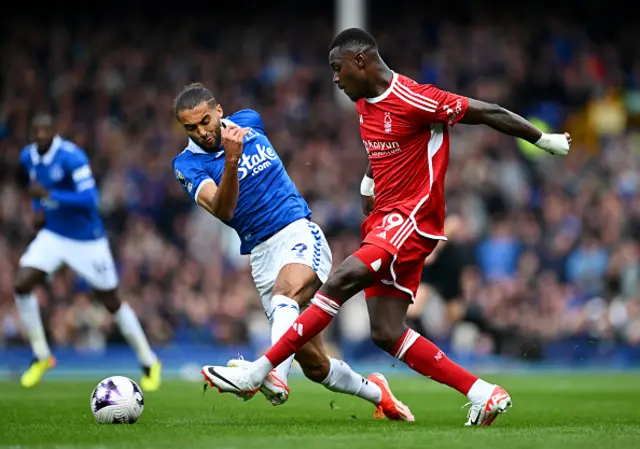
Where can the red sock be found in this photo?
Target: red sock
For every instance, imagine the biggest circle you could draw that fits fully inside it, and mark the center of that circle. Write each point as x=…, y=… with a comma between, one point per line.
x=309, y=324
x=426, y=358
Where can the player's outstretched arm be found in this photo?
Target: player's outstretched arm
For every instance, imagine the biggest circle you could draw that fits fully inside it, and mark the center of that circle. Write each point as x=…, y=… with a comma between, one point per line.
x=367, y=190
x=221, y=201
x=507, y=122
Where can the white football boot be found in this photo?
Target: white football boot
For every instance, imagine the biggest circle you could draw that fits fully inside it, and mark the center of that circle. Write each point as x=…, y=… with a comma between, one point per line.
x=275, y=390
x=234, y=380
x=485, y=411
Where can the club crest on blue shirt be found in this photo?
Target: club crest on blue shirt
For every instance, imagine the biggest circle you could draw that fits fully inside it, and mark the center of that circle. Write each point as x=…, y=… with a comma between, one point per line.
x=56, y=173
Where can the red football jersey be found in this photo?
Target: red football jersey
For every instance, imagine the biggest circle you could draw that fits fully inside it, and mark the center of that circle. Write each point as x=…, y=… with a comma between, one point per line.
x=406, y=134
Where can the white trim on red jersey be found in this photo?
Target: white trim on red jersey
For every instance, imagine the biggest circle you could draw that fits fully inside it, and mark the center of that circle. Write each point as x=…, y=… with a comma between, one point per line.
x=418, y=101
x=386, y=93
x=429, y=102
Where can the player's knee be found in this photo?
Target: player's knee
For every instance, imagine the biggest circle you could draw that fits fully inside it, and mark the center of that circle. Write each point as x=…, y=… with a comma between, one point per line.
x=351, y=275
x=110, y=300
x=298, y=282
x=298, y=291
x=385, y=337
x=315, y=365
x=23, y=283
x=20, y=287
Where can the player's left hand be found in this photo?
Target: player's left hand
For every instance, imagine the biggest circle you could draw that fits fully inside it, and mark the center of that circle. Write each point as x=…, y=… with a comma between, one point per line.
x=232, y=142
x=556, y=144
x=563, y=151
x=37, y=191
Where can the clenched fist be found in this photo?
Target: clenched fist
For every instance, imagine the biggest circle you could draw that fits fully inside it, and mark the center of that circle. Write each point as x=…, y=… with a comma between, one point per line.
x=233, y=142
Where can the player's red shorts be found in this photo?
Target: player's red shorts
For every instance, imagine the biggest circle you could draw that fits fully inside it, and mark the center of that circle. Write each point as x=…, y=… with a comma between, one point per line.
x=394, y=252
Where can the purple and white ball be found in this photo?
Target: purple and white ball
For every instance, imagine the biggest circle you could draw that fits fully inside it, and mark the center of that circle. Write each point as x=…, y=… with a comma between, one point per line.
x=117, y=400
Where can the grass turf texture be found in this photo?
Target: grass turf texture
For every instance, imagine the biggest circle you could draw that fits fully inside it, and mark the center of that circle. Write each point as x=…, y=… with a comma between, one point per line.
x=572, y=411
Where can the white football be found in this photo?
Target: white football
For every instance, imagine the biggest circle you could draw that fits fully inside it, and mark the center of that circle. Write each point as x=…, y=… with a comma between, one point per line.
x=117, y=400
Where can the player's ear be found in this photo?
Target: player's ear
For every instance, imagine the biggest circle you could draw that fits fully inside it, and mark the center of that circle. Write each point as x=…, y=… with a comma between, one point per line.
x=359, y=59
x=220, y=111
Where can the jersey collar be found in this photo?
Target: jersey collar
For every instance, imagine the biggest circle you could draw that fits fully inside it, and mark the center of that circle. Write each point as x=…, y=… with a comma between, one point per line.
x=195, y=148
x=56, y=143
x=386, y=93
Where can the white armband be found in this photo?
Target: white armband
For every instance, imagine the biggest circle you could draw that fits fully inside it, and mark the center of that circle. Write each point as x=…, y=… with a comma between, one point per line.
x=554, y=143
x=367, y=186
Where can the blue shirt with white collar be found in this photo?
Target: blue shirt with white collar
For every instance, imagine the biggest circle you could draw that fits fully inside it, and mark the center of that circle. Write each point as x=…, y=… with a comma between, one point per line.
x=268, y=201
x=71, y=209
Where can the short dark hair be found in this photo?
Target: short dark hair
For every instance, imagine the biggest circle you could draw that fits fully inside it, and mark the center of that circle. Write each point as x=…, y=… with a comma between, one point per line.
x=191, y=96
x=354, y=37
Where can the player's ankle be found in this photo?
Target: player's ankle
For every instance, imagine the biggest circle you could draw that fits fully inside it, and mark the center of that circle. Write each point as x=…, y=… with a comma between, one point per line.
x=480, y=390
x=260, y=369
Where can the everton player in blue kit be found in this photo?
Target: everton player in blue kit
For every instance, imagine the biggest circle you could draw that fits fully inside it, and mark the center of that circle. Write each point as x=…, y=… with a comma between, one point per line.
x=65, y=203
x=230, y=169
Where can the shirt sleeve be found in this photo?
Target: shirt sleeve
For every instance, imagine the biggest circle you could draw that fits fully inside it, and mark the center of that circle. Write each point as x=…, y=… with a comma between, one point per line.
x=191, y=176
x=80, y=172
x=431, y=105
x=248, y=118
x=84, y=193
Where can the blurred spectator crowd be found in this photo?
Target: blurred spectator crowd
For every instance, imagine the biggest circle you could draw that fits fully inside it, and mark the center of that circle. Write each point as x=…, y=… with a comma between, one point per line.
x=544, y=248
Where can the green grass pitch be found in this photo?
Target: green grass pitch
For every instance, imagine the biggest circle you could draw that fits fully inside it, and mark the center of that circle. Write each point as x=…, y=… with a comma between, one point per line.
x=550, y=411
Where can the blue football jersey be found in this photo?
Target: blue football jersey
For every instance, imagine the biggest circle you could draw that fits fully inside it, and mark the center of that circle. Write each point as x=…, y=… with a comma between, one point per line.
x=268, y=200
x=71, y=209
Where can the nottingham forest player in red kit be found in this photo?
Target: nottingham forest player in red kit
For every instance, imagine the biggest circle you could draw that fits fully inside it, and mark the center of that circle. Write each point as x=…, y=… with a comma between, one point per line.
x=405, y=130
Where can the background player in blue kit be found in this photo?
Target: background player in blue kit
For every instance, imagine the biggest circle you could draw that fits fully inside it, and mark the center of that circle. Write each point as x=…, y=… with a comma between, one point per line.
x=230, y=168
x=65, y=203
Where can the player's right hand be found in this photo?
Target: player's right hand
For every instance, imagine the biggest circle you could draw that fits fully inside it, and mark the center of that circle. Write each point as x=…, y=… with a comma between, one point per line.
x=367, y=204
x=37, y=191
x=233, y=142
